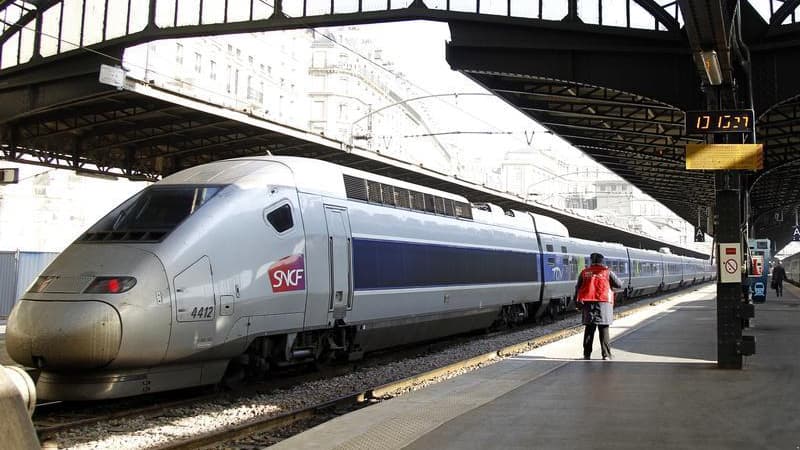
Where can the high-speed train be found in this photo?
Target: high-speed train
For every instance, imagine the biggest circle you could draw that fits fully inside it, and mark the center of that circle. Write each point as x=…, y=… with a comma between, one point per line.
x=239, y=265
x=791, y=265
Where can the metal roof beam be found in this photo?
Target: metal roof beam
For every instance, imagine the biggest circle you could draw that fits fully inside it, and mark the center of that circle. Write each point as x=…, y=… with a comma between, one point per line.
x=779, y=16
x=613, y=131
x=604, y=118
x=619, y=142
x=658, y=13
x=595, y=100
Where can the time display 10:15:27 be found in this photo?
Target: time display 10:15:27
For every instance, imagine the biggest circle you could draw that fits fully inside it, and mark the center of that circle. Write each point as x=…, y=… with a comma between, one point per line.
x=718, y=121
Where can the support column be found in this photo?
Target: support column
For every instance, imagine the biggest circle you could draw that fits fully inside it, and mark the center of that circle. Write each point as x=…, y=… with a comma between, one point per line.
x=729, y=295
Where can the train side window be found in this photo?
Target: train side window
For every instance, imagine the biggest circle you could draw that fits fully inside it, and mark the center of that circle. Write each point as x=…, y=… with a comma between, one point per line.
x=565, y=261
x=549, y=247
x=281, y=218
x=563, y=249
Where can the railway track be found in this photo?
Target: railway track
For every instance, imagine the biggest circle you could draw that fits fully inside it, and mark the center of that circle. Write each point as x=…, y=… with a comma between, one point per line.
x=57, y=417
x=53, y=426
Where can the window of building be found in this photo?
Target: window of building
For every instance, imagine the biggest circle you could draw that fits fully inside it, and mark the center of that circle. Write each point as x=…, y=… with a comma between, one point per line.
x=198, y=62
x=318, y=110
x=250, y=59
x=229, y=76
x=318, y=83
x=179, y=54
x=212, y=70
x=318, y=60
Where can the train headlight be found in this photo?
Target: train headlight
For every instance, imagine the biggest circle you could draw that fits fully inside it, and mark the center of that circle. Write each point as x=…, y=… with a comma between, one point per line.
x=110, y=285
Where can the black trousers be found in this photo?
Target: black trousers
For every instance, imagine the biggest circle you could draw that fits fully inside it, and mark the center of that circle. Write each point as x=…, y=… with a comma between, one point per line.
x=588, y=340
x=779, y=289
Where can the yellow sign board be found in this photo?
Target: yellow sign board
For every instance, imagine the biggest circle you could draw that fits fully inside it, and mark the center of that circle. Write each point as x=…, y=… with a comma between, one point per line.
x=724, y=156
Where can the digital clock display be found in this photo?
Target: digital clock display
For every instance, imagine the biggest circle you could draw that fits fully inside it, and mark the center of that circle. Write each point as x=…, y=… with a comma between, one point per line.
x=726, y=121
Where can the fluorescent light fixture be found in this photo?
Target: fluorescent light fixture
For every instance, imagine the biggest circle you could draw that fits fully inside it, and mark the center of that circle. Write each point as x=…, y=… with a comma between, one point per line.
x=711, y=64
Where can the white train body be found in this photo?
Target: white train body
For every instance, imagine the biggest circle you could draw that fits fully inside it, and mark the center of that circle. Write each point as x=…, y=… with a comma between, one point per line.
x=261, y=261
x=791, y=264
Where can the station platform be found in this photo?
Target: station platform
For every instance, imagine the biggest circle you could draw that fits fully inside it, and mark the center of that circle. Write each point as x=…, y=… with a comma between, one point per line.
x=662, y=390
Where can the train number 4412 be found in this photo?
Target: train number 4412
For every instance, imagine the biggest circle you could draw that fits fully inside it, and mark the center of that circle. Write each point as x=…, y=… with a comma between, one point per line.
x=203, y=312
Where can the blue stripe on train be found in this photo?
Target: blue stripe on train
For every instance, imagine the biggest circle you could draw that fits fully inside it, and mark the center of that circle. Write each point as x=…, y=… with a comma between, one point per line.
x=396, y=265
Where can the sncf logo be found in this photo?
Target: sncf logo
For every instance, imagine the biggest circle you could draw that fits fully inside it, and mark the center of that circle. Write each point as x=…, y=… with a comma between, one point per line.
x=288, y=274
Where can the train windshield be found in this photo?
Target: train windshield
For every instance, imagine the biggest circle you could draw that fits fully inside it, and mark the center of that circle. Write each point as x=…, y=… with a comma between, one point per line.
x=155, y=212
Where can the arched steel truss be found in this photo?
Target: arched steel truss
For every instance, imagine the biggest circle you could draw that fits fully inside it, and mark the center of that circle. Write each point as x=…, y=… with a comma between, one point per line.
x=639, y=138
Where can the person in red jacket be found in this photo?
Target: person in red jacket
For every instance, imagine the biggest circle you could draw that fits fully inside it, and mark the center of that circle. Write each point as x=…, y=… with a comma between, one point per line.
x=595, y=297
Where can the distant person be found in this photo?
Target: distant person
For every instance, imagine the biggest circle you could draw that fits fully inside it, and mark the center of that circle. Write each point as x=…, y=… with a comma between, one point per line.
x=595, y=297
x=778, y=275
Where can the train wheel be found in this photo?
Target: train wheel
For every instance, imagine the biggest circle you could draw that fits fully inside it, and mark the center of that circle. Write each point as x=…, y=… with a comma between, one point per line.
x=235, y=374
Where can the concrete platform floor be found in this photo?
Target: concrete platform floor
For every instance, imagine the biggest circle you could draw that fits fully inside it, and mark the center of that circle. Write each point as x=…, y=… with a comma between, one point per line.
x=663, y=390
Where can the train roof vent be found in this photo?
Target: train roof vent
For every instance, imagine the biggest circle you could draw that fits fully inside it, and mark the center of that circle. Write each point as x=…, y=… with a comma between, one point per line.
x=482, y=207
x=665, y=250
x=388, y=195
x=355, y=187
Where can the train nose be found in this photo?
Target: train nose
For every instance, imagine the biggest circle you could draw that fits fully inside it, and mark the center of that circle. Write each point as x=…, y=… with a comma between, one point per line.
x=54, y=334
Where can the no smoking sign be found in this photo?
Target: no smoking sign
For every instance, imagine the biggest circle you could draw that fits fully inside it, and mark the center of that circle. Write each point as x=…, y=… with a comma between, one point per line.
x=729, y=257
x=731, y=266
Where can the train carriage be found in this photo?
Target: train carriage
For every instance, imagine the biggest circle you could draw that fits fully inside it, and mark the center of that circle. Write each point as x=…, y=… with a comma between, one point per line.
x=792, y=266
x=239, y=265
x=672, y=268
x=646, y=272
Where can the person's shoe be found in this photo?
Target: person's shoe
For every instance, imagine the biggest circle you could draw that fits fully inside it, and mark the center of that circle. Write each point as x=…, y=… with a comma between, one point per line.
x=586, y=357
x=605, y=357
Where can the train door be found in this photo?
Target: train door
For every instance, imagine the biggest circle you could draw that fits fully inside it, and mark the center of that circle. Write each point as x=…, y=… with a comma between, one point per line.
x=193, y=329
x=340, y=257
x=549, y=272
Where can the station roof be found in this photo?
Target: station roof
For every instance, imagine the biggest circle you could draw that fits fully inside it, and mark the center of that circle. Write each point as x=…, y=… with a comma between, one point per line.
x=621, y=96
x=617, y=92
x=171, y=132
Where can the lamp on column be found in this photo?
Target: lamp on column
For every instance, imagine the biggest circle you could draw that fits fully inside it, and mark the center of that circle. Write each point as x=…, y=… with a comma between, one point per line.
x=711, y=65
